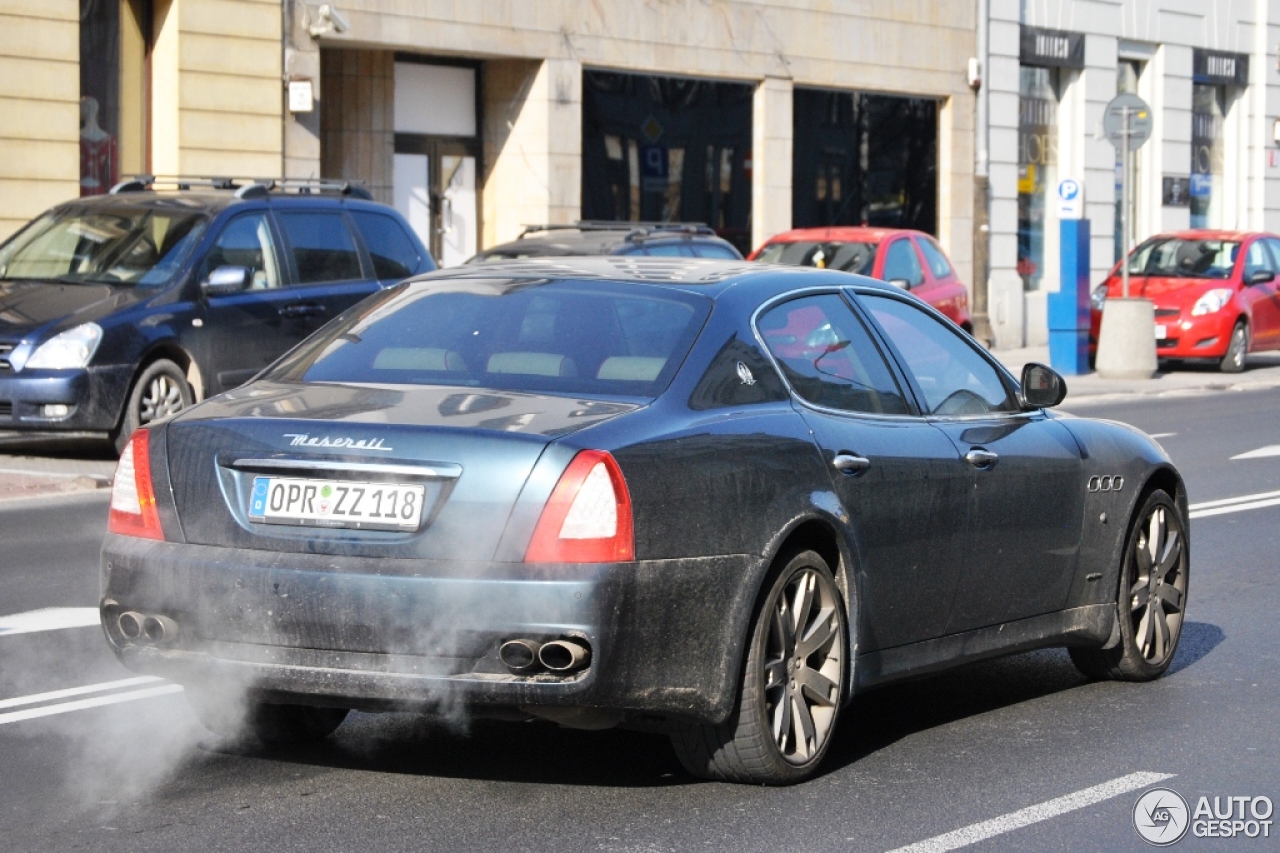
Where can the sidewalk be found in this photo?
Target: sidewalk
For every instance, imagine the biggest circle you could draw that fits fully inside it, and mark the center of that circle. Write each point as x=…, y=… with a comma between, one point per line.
x=1262, y=370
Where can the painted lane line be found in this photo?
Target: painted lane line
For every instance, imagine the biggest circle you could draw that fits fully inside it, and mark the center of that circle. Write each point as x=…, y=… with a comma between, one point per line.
x=83, y=704
x=1260, y=453
x=1261, y=496
x=101, y=687
x=49, y=619
x=976, y=832
x=1223, y=510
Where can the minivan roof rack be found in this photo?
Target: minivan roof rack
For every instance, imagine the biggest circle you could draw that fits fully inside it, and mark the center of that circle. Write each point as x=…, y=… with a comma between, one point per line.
x=635, y=230
x=243, y=187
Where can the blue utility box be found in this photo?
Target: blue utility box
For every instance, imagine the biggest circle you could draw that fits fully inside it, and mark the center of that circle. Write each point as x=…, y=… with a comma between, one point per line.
x=1069, y=307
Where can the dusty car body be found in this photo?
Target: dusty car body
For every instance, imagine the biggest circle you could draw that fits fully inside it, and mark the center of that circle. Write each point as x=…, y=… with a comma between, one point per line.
x=725, y=516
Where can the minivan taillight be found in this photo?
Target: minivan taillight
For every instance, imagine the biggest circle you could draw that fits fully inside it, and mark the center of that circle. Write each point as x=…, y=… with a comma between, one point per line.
x=588, y=516
x=133, y=500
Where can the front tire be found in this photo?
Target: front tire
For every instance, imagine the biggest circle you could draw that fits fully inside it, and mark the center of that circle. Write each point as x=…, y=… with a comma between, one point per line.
x=792, y=686
x=1233, y=361
x=1151, y=600
x=160, y=391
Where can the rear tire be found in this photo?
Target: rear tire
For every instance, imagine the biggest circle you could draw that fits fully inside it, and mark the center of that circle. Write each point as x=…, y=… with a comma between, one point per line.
x=159, y=392
x=792, y=686
x=1233, y=360
x=1151, y=597
x=235, y=717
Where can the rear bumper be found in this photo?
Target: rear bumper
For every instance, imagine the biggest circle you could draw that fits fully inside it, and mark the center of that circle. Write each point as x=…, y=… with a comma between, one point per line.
x=94, y=398
x=361, y=633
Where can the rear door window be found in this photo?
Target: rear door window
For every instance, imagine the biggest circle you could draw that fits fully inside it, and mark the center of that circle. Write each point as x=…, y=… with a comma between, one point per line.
x=393, y=254
x=322, y=246
x=902, y=264
x=713, y=250
x=669, y=250
x=828, y=357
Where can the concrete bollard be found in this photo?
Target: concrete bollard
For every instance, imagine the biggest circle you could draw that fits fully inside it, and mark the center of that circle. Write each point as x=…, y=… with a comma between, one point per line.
x=1127, y=340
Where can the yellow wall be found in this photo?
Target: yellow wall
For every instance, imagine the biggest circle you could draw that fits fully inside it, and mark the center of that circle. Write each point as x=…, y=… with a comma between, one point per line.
x=217, y=97
x=39, y=107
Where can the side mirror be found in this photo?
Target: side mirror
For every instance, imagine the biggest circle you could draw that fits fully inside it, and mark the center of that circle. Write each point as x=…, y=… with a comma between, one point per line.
x=1042, y=387
x=224, y=280
x=1261, y=277
x=900, y=282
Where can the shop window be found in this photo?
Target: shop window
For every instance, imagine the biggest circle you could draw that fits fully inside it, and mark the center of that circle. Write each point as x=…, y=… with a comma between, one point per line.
x=864, y=160
x=667, y=148
x=1208, y=109
x=114, y=41
x=1038, y=96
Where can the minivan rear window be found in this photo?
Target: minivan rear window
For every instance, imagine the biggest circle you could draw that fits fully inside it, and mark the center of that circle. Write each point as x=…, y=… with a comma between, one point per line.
x=564, y=337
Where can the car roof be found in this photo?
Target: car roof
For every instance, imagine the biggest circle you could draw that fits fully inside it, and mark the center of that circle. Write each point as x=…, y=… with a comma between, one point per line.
x=601, y=238
x=850, y=233
x=707, y=276
x=207, y=200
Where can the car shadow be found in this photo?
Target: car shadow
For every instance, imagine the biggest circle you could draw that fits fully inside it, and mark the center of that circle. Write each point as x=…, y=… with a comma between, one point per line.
x=17, y=444
x=540, y=752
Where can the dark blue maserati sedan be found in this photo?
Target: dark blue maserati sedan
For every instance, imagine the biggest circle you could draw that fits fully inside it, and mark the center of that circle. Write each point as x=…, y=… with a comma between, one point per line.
x=715, y=497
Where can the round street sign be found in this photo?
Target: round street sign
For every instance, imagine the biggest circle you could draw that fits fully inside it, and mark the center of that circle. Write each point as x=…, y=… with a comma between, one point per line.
x=1139, y=116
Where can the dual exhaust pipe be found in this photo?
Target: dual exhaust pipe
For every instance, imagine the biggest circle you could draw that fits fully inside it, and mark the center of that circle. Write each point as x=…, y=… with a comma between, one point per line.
x=559, y=656
x=145, y=628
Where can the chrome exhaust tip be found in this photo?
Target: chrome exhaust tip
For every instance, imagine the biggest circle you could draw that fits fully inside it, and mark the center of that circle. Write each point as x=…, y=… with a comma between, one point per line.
x=159, y=629
x=519, y=656
x=564, y=656
x=130, y=624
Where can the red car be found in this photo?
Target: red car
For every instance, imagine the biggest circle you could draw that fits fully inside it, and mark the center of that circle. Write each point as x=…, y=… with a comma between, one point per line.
x=910, y=259
x=1215, y=294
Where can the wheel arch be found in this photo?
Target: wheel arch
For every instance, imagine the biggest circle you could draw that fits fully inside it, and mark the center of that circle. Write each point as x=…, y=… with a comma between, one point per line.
x=169, y=350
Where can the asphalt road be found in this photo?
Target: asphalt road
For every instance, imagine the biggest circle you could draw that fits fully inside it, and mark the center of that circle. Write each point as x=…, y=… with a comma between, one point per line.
x=998, y=744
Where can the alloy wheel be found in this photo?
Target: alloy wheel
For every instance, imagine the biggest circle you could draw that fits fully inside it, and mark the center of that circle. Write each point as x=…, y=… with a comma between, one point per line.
x=803, y=665
x=1157, y=585
x=161, y=398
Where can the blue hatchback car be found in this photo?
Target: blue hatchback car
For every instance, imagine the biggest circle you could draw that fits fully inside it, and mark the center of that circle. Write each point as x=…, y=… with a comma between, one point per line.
x=121, y=309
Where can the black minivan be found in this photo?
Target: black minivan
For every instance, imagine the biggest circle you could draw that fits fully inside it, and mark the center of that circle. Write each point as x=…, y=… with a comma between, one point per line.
x=119, y=309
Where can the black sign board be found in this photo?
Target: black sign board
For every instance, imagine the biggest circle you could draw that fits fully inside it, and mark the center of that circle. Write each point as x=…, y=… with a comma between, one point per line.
x=1177, y=191
x=1219, y=68
x=1051, y=47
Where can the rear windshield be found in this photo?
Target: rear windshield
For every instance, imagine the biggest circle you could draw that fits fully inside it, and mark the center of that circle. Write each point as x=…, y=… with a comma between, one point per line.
x=139, y=247
x=1173, y=256
x=830, y=255
x=575, y=338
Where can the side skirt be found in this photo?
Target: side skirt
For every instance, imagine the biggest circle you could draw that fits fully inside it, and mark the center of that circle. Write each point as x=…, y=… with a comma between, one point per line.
x=1080, y=626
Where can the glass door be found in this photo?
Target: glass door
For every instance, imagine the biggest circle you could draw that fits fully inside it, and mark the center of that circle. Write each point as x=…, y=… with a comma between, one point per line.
x=435, y=189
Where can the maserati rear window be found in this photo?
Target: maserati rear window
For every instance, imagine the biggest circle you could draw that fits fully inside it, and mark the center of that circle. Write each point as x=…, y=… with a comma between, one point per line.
x=575, y=338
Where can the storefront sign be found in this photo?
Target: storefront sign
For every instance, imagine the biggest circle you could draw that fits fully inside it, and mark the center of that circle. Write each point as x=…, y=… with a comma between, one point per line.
x=1177, y=191
x=1219, y=68
x=1057, y=48
x=655, y=168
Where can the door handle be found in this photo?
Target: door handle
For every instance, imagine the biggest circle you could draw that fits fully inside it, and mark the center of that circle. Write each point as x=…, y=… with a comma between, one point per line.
x=850, y=465
x=982, y=459
x=290, y=312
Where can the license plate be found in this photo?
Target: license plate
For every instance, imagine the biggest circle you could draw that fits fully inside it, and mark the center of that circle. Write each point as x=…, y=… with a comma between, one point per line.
x=336, y=503
x=1162, y=332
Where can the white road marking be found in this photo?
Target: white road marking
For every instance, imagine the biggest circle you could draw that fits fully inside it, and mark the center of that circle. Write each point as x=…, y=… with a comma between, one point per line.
x=976, y=832
x=37, y=698
x=1261, y=496
x=1238, y=504
x=1260, y=453
x=48, y=619
x=82, y=704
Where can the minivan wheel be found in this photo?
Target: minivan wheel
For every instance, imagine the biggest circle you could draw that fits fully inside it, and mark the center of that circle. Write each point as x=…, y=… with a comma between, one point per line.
x=1233, y=361
x=792, y=686
x=159, y=392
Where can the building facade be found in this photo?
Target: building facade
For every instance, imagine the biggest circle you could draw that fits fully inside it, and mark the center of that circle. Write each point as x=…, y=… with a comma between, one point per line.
x=477, y=119
x=1207, y=70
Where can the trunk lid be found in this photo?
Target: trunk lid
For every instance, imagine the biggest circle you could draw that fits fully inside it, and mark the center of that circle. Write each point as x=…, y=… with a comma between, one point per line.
x=469, y=450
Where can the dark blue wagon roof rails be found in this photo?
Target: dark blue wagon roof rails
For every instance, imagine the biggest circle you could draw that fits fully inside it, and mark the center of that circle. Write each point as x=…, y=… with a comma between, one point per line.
x=242, y=187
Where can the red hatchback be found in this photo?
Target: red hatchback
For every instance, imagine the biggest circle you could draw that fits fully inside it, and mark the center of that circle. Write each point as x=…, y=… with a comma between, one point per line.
x=1215, y=294
x=910, y=259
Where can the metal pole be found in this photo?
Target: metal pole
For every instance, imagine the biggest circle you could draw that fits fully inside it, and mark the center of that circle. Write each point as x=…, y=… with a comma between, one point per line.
x=982, y=190
x=1124, y=199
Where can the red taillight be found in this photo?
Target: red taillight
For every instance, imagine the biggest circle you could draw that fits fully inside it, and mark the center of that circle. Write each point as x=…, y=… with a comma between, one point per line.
x=133, y=500
x=588, y=517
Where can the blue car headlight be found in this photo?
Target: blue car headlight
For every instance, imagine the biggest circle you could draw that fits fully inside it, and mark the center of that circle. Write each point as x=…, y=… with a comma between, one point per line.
x=68, y=350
